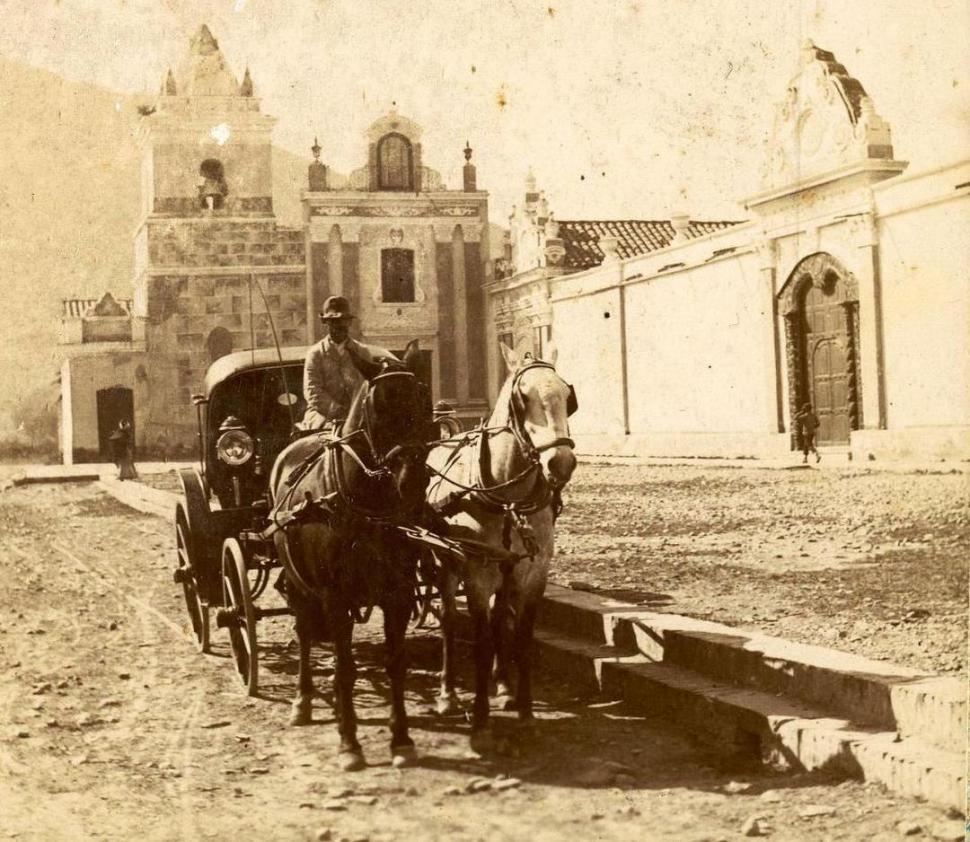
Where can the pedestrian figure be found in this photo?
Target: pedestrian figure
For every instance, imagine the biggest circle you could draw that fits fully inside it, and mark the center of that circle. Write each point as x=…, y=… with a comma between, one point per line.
x=807, y=423
x=122, y=448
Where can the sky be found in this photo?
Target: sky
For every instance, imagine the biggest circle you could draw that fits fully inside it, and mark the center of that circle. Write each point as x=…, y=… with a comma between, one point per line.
x=625, y=109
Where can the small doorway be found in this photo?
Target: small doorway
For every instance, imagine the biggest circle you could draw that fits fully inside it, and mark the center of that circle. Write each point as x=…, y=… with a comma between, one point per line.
x=114, y=406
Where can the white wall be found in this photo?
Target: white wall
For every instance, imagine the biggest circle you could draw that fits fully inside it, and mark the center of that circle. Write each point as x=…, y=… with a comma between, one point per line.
x=695, y=350
x=925, y=266
x=590, y=358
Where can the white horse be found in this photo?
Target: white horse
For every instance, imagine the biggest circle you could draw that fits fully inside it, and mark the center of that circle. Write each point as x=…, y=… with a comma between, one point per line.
x=498, y=490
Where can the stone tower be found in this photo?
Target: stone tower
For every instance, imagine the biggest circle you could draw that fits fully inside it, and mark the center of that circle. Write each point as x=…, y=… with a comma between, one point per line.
x=211, y=263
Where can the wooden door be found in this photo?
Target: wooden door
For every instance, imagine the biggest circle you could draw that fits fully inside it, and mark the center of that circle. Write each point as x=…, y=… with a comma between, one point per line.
x=826, y=346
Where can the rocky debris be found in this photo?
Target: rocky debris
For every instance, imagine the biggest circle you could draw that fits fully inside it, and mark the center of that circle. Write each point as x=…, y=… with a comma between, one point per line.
x=736, y=787
x=478, y=785
x=451, y=790
x=218, y=723
x=324, y=835
x=755, y=826
x=814, y=811
x=947, y=831
x=771, y=796
x=334, y=805
x=501, y=784
x=365, y=800
x=909, y=828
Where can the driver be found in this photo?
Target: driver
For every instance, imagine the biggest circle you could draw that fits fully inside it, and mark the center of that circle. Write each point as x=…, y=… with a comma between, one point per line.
x=330, y=377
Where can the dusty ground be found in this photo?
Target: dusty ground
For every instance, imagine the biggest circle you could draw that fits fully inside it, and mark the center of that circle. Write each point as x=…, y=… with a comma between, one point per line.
x=114, y=728
x=872, y=563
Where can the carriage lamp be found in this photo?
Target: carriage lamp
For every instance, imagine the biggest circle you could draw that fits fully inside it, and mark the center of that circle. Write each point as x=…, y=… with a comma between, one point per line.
x=235, y=446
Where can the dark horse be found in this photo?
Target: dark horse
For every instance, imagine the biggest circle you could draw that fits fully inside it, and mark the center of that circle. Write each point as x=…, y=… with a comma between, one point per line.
x=342, y=553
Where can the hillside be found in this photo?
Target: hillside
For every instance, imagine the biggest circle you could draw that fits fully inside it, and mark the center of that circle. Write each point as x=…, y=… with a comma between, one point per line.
x=69, y=199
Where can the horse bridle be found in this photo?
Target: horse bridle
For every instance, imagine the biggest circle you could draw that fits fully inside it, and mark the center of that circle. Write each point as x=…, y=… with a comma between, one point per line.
x=517, y=410
x=417, y=446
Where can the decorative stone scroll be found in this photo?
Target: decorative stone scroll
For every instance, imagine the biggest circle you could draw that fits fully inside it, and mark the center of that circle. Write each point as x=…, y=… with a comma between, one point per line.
x=826, y=121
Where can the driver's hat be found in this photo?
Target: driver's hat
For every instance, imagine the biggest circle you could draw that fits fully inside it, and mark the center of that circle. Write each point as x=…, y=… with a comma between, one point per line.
x=337, y=308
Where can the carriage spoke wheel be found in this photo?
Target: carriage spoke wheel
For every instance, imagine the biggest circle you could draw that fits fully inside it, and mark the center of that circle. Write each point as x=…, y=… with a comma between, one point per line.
x=240, y=614
x=186, y=574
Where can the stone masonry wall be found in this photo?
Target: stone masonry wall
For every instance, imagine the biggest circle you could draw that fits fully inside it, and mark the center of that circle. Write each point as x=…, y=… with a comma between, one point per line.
x=185, y=307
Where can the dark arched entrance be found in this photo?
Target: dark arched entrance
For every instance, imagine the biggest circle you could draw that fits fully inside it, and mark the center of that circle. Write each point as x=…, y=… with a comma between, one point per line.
x=820, y=304
x=115, y=405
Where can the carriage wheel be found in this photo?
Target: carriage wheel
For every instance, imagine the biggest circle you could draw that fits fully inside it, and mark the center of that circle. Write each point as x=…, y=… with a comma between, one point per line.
x=186, y=574
x=241, y=616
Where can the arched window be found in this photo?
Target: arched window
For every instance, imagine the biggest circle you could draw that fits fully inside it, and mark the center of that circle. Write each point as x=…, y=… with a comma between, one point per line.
x=394, y=163
x=212, y=184
x=219, y=343
x=397, y=276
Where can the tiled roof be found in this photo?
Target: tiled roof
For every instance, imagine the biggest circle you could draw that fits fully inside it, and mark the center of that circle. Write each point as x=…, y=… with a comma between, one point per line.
x=634, y=236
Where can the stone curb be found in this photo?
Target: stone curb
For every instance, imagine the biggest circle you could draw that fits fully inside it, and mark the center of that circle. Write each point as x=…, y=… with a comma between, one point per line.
x=813, y=707
x=871, y=693
x=144, y=498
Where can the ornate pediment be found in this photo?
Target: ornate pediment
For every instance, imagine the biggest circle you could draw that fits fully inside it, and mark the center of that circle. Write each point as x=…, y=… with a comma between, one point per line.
x=826, y=121
x=106, y=306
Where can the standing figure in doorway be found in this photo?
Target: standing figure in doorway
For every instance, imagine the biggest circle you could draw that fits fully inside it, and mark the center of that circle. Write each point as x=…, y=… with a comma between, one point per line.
x=806, y=425
x=122, y=449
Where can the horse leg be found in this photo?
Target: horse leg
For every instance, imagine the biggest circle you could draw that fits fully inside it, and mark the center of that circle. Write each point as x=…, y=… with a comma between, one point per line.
x=484, y=652
x=500, y=637
x=447, y=704
x=301, y=713
x=351, y=756
x=397, y=613
x=525, y=621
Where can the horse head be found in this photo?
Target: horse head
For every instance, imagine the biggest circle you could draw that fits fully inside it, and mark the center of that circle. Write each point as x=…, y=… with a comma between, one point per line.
x=396, y=415
x=540, y=403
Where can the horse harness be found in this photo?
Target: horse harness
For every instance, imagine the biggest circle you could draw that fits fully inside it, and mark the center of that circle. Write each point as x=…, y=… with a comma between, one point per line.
x=543, y=493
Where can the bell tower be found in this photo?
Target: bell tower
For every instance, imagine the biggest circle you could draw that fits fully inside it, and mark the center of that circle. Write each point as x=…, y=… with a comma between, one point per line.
x=214, y=272
x=206, y=146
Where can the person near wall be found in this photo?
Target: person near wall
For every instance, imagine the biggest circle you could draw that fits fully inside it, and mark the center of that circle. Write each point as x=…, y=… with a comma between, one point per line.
x=807, y=426
x=123, y=451
x=330, y=375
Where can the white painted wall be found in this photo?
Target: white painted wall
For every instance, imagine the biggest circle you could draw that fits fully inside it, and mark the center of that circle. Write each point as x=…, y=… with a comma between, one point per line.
x=926, y=314
x=590, y=358
x=695, y=350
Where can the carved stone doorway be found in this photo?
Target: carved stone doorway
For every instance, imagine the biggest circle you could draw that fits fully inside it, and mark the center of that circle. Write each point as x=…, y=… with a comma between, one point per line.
x=820, y=304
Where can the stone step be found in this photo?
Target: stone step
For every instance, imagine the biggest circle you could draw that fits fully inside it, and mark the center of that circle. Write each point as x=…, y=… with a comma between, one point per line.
x=759, y=725
x=870, y=693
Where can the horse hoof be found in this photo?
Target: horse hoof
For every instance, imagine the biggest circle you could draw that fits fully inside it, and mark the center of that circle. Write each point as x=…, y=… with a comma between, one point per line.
x=302, y=714
x=403, y=756
x=351, y=761
x=482, y=741
x=448, y=705
x=505, y=702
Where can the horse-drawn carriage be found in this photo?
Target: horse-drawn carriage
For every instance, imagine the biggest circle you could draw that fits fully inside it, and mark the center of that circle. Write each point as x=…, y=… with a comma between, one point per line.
x=246, y=412
x=322, y=505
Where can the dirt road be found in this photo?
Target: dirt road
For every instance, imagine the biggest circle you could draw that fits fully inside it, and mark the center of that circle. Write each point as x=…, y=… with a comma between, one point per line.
x=114, y=728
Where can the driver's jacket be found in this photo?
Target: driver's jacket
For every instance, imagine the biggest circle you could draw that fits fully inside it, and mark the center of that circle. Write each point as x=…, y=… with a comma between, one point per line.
x=330, y=379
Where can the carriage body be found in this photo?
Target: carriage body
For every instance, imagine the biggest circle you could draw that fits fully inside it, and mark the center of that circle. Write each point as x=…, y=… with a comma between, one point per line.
x=245, y=415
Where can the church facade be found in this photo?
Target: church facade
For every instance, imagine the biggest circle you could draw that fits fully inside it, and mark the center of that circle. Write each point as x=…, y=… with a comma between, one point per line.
x=846, y=289
x=215, y=272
